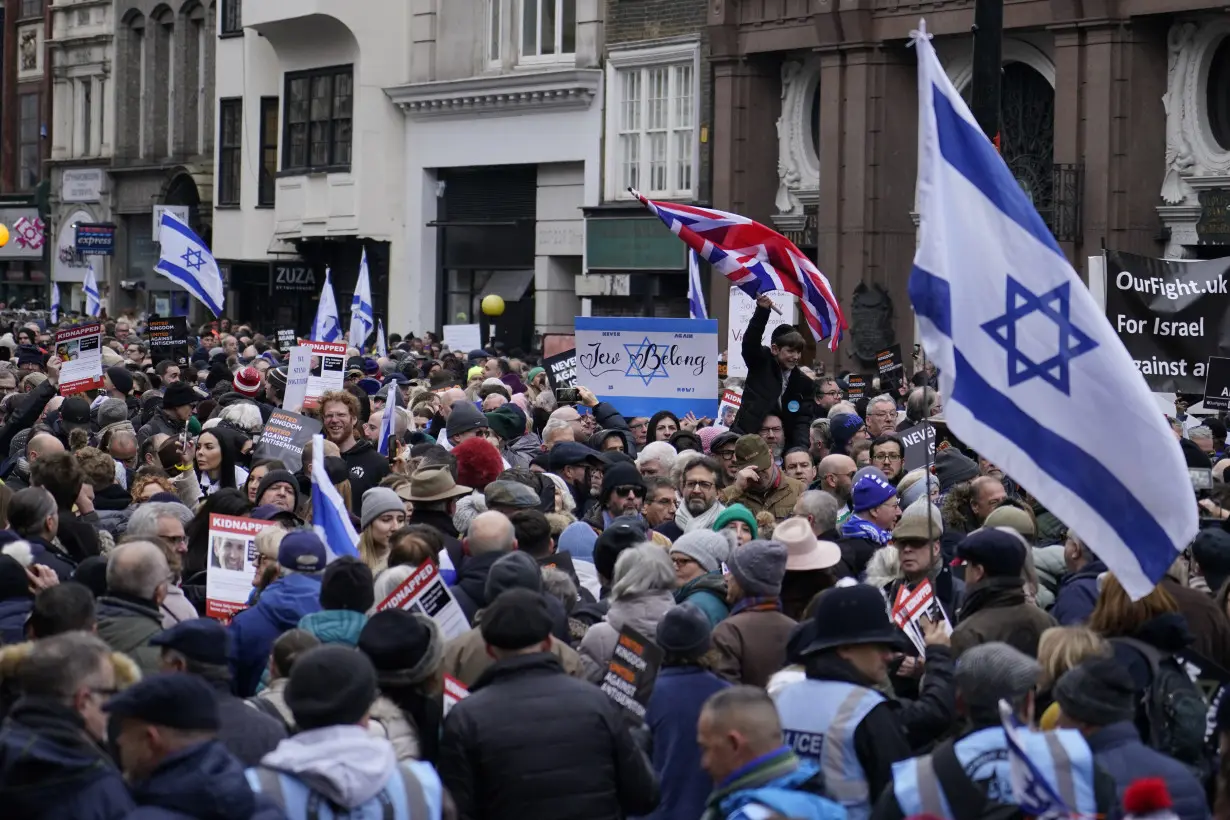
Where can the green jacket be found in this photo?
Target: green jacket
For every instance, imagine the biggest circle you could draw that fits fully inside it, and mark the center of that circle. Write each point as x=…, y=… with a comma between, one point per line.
x=126, y=625
x=708, y=594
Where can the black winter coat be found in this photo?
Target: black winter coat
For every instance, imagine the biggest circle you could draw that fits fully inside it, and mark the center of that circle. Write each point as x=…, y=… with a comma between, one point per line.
x=247, y=736
x=162, y=424
x=762, y=391
x=530, y=741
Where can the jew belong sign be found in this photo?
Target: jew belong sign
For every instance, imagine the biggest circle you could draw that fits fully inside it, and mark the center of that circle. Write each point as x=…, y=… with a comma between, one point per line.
x=645, y=365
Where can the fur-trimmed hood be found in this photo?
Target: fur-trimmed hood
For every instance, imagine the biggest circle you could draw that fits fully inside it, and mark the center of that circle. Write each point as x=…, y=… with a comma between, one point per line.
x=126, y=671
x=883, y=568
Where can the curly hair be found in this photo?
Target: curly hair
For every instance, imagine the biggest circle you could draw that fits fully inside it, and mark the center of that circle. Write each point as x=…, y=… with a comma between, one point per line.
x=97, y=467
x=478, y=463
x=142, y=481
x=341, y=397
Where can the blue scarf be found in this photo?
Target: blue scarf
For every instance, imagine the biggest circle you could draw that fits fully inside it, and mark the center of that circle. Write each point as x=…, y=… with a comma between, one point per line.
x=855, y=527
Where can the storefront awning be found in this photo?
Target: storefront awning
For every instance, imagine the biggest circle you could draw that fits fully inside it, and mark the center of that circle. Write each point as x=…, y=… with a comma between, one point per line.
x=509, y=285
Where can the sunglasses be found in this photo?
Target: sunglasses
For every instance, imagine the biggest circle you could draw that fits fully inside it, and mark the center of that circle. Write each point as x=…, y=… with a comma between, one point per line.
x=625, y=489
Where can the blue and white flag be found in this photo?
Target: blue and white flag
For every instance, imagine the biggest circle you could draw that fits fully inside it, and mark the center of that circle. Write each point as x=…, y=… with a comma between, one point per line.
x=93, y=299
x=327, y=327
x=184, y=259
x=1030, y=788
x=382, y=347
x=361, y=314
x=696, y=295
x=1033, y=376
x=55, y=303
x=330, y=518
x=388, y=421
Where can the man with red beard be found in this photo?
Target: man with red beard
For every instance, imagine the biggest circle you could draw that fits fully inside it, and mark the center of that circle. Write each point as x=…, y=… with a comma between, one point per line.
x=339, y=411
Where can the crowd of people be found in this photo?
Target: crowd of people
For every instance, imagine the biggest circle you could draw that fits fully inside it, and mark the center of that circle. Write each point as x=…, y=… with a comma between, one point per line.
x=770, y=563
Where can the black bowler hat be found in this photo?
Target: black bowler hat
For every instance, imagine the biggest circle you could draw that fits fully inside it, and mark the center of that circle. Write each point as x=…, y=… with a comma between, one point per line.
x=851, y=616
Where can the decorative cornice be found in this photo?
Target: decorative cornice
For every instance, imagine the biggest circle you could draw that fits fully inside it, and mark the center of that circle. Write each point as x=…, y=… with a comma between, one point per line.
x=498, y=95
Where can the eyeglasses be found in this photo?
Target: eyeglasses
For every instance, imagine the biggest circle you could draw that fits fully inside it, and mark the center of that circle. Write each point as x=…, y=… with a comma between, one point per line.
x=729, y=455
x=640, y=425
x=699, y=485
x=777, y=431
x=884, y=415
x=887, y=458
x=665, y=501
x=680, y=561
x=830, y=392
x=626, y=489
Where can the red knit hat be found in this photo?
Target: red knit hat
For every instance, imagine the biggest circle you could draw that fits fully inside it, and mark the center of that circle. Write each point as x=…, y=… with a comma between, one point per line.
x=248, y=382
x=478, y=463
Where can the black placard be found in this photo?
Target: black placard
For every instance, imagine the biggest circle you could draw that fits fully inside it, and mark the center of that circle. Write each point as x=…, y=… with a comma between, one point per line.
x=856, y=387
x=561, y=369
x=1217, y=384
x=919, y=445
x=168, y=340
x=286, y=338
x=284, y=437
x=632, y=670
x=889, y=362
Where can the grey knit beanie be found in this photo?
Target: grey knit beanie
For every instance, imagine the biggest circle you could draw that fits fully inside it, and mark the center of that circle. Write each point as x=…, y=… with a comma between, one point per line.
x=377, y=501
x=516, y=570
x=1098, y=691
x=759, y=567
x=706, y=547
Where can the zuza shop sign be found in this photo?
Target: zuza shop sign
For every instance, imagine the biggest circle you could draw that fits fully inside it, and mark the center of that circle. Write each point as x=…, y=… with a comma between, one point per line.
x=294, y=277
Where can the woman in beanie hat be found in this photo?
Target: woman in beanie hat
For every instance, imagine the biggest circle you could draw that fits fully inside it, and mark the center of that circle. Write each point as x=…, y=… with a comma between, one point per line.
x=383, y=514
x=698, y=557
x=406, y=648
x=752, y=640
x=739, y=520
x=641, y=594
x=683, y=685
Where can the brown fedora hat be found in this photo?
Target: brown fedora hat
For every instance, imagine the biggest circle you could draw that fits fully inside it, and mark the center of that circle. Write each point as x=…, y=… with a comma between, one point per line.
x=435, y=484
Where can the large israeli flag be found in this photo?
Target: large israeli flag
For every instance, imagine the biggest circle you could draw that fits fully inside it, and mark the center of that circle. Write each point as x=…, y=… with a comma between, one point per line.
x=55, y=303
x=184, y=259
x=1033, y=376
x=93, y=299
x=329, y=516
x=362, y=319
x=327, y=327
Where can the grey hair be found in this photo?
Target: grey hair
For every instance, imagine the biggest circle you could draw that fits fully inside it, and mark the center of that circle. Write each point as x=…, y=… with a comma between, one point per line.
x=684, y=461
x=389, y=580
x=553, y=425
x=557, y=583
x=1200, y=432
x=137, y=568
x=842, y=407
x=144, y=520
x=820, y=430
x=883, y=398
x=640, y=569
x=821, y=507
x=658, y=451
x=921, y=402
x=60, y=665
x=29, y=509
x=245, y=416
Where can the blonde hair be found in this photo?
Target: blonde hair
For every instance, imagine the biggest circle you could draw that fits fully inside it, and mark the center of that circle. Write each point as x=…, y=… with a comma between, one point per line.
x=269, y=540
x=1062, y=647
x=1117, y=615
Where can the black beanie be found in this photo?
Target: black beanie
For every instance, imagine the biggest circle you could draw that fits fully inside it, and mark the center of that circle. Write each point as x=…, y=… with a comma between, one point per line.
x=332, y=685
x=620, y=475
x=517, y=619
x=278, y=477
x=121, y=378
x=347, y=584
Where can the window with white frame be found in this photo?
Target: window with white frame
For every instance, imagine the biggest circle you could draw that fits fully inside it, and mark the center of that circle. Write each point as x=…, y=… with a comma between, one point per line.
x=653, y=130
x=495, y=33
x=548, y=30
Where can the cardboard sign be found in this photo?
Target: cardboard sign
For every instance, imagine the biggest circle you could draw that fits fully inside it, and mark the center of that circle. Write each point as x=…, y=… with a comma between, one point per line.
x=425, y=592
x=1217, y=384
x=326, y=371
x=631, y=672
x=298, y=368
x=284, y=437
x=919, y=444
x=232, y=564
x=728, y=406
x=561, y=369
x=856, y=387
x=80, y=349
x=454, y=692
x=645, y=365
x=742, y=307
x=889, y=363
x=911, y=606
x=286, y=338
x=463, y=338
x=168, y=340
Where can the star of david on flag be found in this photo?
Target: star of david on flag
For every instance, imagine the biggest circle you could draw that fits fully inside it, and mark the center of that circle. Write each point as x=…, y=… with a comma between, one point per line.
x=184, y=259
x=1033, y=376
x=644, y=362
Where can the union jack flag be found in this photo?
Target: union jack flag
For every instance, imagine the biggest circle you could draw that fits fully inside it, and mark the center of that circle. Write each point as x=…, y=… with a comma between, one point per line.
x=756, y=259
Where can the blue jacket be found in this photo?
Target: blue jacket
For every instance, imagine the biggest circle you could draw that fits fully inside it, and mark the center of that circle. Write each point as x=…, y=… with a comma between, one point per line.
x=335, y=625
x=1118, y=750
x=674, y=708
x=281, y=606
x=13, y=614
x=204, y=782
x=784, y=796
x=708, y=593
x=1078, y=592
x=51, y=770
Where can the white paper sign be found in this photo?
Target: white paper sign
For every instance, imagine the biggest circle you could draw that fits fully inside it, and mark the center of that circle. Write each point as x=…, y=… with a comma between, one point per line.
x=454, y=692
x=425, y=592
x=297, y=371
x=463, y=338
x=327, y=370
x=232, y=564
x=742, y=307
x=645, y=365
x=80, y=350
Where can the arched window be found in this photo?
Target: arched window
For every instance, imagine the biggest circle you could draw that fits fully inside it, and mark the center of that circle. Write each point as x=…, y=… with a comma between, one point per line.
x=193, y=80
x=132, y=129
x=163, y=65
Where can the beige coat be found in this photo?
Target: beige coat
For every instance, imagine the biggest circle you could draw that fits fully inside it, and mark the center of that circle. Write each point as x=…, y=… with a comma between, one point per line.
x=388, y=721
x=466, y=658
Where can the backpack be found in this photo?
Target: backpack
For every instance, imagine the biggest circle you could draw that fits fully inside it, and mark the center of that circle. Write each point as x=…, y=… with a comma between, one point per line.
x=966, y=798
x=266, y=706
x=1175, y=711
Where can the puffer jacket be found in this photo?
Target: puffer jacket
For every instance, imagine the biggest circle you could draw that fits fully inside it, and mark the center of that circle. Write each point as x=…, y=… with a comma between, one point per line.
x=708, y=594
x=335, y=625
x=521, y=451
x=13, y=614
x=1078, y=592
x=640, y=612
x=388, y=721
x=528, y=703
x=281, y=606
x=203, y=781
x=160, y=424
x=1118, y=750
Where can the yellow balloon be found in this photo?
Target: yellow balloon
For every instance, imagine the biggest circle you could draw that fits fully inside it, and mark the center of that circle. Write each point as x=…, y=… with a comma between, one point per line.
x=493, y=305
x=4, y=236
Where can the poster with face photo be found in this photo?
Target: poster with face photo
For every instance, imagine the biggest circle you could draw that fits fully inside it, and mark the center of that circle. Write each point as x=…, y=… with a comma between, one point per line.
x=233, y=563
x=80, y=349
x=326, y=371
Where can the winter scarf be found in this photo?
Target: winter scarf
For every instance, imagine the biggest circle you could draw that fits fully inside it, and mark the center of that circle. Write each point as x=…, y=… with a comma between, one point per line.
x=757, y=603
x=856, y=527
x=705, y=521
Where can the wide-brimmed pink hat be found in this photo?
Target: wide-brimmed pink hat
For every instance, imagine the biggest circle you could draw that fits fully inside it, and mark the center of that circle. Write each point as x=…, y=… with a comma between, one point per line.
x=803, y=550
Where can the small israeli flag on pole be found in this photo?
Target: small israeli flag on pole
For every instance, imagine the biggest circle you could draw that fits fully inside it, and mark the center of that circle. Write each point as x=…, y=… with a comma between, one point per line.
x=186, y=261
x=361, y=313
x=327, y=327
x=330, y=518
x=93, y=300
x=55, y=303
x=388, y=423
